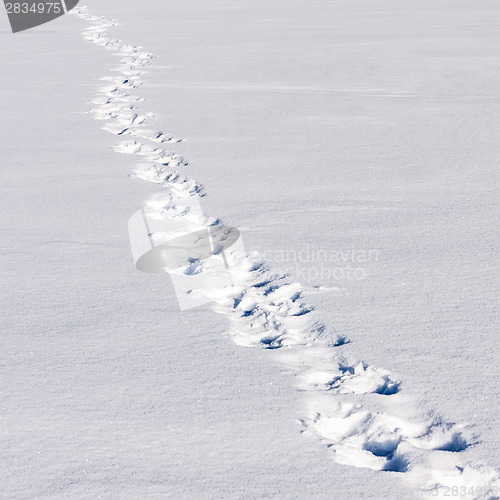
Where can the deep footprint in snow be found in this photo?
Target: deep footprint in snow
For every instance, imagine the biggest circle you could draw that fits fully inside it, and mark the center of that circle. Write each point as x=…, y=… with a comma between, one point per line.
x=358, y=379
x=377, y=440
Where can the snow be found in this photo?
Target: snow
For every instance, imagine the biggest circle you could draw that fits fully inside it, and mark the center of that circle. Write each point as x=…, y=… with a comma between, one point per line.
x=353, y=128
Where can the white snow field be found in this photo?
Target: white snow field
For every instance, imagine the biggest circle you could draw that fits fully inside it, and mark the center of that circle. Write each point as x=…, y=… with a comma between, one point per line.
x=355, y=146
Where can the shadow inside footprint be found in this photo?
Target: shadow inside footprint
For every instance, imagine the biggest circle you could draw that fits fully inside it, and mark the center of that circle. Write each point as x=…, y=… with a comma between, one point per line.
x=388, y=448
x=341, y=340
x=456, y=444
x=398, y=463
x=271, y=343
x=384, y=448
x=389, y=387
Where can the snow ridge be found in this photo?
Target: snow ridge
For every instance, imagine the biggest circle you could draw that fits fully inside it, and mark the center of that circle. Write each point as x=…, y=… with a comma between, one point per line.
x=358, y=411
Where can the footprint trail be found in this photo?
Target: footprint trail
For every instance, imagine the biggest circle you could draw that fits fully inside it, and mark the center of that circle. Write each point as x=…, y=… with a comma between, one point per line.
x=358, y=411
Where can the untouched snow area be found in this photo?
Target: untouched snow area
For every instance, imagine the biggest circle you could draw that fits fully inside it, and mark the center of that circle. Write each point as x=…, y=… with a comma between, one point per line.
x=355, y=146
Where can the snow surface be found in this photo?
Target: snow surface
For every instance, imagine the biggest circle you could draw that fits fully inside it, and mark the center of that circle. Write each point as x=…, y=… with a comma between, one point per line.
x=367, y=130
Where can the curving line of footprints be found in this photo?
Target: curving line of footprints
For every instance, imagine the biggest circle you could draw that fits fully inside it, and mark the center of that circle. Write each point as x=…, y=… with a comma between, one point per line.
x=358, y=411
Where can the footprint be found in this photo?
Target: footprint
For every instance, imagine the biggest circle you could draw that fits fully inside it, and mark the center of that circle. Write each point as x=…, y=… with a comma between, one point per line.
x=361, y=379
